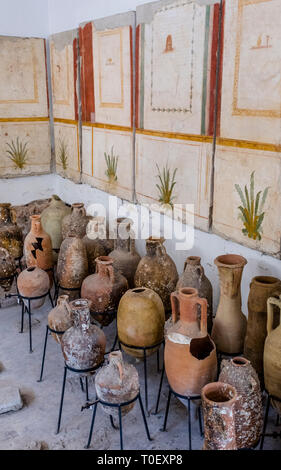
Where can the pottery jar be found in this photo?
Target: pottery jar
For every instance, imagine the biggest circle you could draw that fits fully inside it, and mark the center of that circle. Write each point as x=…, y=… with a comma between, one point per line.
x=157, y=271
x=33, y=282
x=51, y=219
x=10, y=234
x=75, y=223
x=60, y=317
x=239, y=373
x=83, y=344
x=229, y=326
x=140, y=320
x=218, y=403
x=117, y=382
x=104, y=290
x=261, y=288
x=93, y=244
x=190, y=354
x=194, y=276
x=7, y=269
x=125, y=257
x=72, y=267
x=272, y=354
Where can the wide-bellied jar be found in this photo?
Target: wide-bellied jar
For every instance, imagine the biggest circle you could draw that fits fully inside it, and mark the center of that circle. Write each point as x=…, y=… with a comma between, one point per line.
x=38, y=247
x=60, y=317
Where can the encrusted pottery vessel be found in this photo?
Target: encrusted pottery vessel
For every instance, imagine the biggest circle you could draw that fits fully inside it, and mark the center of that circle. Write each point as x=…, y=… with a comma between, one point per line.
x=33, y=282
x=272, y=354
x=95, y=246
x=72, y=267
x=60, y=317
x=7, y=269
x=10, y=234
x=75, y=223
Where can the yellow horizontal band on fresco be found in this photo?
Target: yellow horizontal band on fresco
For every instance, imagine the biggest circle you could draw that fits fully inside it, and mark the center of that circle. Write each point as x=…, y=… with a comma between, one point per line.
x=25, y=119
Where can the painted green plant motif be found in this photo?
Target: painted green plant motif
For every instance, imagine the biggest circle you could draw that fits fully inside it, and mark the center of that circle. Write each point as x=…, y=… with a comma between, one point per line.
x=166, y=185
x=111, y=163
x=63, y=157
x=251, y=211
x=17, y=152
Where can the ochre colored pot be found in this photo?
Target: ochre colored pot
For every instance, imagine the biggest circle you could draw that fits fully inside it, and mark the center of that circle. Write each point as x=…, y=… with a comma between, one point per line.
x=229, y=326
x=218, y=403
x=51, y=219
x=38, y=247
x=157, y=271
x=33, y=282
x=83, y=345
x=104, y=290
x=239, y=373
x=7, y=269
x=72, y=267
x=272, y=354
x=10, y=234
x=60, y=317
x=194, y=276
x=261, y=288
x=140, y=320
x=75, y=223
x=190, y=354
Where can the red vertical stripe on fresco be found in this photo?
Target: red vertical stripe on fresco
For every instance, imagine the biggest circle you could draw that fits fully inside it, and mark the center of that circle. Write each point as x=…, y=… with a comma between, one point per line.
x=87, y=72
x=213, y=70
x=47, y=81
x=137, y=91
x=131, y=74
x=75, y=55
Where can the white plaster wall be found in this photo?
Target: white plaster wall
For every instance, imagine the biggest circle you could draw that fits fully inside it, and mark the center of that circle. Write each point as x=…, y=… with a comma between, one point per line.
x=24, y=18
x=208, y=246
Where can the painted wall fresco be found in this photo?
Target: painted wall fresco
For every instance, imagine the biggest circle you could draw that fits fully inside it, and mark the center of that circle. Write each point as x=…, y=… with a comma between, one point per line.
x=107, y=102
x=24, y=114
x=63, y=58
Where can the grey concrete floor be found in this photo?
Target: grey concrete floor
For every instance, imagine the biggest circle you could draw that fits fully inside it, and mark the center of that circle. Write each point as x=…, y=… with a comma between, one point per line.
x=34, y=426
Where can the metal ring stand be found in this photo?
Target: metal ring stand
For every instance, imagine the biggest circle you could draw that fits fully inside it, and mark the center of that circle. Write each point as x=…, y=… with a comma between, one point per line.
x=48, y=331
x=113, y=313
x=119, y=406
x=144, y=349
x=77, y=371
x=275, y=434
x=58, y=287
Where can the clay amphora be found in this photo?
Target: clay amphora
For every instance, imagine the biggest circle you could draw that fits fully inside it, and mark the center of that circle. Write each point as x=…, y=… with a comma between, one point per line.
x=104, y=290
x=117, y=382
x=140, y=320
x=261, y=288
x=157, y=271
x=272, y=354
x=72, y=267
x=94, y=246
x=229, y=326
x=33, y=282
x=51, y=219
x=125, y=257
x=38, y=247
x=218, y=403
x=10, y=234
x=190, y=354
x=7, y=269
x=83, y=345
x=194, y=276
x=75, y=223
x=60, y=317
x=239, y=373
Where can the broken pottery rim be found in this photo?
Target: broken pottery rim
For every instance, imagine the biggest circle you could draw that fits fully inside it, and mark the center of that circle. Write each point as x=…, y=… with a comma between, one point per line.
x=224, y=261
x=79, y=304
x=239, y=361
x=193, y=260
x=213, y=387
x=155, y=240
x=266, y=281
x=104, y=260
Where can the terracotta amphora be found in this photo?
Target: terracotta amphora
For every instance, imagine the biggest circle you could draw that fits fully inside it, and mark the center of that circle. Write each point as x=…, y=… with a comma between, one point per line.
x=93, y=244
x=60, y=317
x=261, y=288
x=7, y=269
x=157, y=271
x=72, y=267
x=218, y=403
x=83, y=344
x=190, y=354
x=140, y=320
x=51, y=219
x=33, y=282
x=75, y=223
x=229, y=326
x=117, y=382
x=38, y=247
x=272, y=354
x=239, y=373
x=10, y=234
x=125, y=257
x=194, y=276
x=104, y=290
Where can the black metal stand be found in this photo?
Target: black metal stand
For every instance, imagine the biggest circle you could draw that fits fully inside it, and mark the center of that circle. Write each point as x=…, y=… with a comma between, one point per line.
x=112, y=313
x=275, y=434
x=119, y=406
x=144, y=349
x=58, y=287
x=48, y=331
x=188, y=398
x=77, y=371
